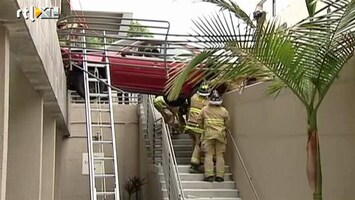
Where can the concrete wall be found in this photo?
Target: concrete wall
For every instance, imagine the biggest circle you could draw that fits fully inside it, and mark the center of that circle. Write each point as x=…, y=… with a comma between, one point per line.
x=35, y=48
x=48, y=157
x=45, y=40
x=30, y=146
x=4, y=106
x=74, y=185
x=58, y=166
x=25, y=139
x=272, y=136
x=152, y=190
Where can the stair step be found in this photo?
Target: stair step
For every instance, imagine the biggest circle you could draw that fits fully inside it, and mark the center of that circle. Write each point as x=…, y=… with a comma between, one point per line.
x=180, y=136
x=186, y=168
x=209, y=193
x=182, y=142
x=204, y=185
x=183, y=160
x=183, y=153
x=182, y=147
x=196, y=177
x=212, y=198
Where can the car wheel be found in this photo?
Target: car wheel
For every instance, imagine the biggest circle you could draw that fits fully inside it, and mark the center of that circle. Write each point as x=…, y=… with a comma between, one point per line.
x=79, y=83
x=79, y=86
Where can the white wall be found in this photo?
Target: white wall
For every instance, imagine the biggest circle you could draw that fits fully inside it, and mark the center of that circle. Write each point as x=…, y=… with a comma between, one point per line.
x=272, y=136
x=75, y=185
x=25, y=139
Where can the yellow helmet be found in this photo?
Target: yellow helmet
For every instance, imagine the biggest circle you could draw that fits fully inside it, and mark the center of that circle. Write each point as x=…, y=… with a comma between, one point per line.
x=204, y=90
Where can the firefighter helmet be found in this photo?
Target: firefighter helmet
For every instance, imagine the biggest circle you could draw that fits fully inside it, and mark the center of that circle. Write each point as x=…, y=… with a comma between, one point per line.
x=215, y=99
x=204, y=90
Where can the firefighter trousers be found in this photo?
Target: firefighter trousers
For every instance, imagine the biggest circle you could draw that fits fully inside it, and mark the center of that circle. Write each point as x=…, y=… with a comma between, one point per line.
x=167, y=115
x=210, y=147
x=197, y=153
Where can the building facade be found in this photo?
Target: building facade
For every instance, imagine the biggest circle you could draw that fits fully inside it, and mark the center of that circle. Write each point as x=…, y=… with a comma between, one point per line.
x=33, y=101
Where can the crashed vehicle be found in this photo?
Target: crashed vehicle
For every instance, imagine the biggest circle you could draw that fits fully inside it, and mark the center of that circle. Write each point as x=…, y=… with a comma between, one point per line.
x=137, y=65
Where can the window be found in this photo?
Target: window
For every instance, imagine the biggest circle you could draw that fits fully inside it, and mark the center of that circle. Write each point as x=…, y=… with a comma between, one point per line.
x=119, y=45
x=178, y=52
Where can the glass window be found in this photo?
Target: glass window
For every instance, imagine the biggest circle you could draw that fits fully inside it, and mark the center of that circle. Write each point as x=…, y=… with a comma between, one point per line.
x=119, y=45
x=178, y=52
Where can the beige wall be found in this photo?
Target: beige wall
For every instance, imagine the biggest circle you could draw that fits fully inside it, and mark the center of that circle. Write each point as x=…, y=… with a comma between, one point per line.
x=272, y=136
x=4, y=106
x=45, y=41
x=74, y=185
x=152, y=190
x=48, y=157
x=35, y=49
x=58, y=165
x=24, y=165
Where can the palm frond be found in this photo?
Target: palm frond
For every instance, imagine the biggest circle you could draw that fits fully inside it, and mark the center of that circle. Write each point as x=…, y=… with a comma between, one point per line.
x=176, y=83
x=311, y=6
x=232, y=7
x=326, y=42
x=306, y=57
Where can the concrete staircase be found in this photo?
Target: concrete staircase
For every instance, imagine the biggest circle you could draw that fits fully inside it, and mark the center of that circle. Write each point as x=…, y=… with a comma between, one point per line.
x=193, y=185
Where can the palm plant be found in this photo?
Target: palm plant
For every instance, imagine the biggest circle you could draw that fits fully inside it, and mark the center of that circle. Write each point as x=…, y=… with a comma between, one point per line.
x=306, y=58
x=134, y=185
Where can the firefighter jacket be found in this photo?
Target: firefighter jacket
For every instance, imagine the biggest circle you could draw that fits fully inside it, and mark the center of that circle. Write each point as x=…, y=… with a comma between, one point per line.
x=159, y=103
x=197, y=103
x=214, y=120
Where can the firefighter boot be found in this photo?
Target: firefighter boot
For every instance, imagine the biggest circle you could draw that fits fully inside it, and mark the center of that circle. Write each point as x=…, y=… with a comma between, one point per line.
x=209, y=179
x=194, y=169
x=219, y=179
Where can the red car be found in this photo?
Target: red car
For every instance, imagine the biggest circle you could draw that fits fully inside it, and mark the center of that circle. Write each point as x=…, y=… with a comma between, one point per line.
x=139, y=65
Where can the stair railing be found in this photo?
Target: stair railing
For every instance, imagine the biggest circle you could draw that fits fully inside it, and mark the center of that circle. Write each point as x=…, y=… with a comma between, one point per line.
x=243, y=165
x=154, y=128
x=169, y=163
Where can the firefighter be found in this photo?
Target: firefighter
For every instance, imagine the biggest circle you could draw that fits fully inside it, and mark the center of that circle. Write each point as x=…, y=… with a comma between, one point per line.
x=214, y=119
x=164, y=109
x=171, y=114
x=197, y=102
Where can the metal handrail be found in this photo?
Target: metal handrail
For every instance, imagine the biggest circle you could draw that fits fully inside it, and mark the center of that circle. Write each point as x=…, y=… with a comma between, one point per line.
x=243, y=165
x=166, y=140
x=176, y=170
x=168, y=161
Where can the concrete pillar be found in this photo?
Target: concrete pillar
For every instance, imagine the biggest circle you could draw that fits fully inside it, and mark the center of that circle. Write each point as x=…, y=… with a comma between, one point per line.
x=48, y=157
x=4, y=106
x=58, y=166
x=25, y=139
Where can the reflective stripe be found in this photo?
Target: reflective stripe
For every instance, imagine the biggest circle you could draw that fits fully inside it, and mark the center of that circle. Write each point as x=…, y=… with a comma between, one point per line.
x=212, y=121
x=195, y=161
x=209, y=173
x=194, y=129
x=194, y=124
x=159, y=102
x=195, y=110
x=220, y=174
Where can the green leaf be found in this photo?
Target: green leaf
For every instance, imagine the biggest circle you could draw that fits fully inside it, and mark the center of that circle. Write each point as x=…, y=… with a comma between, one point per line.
x=311, y=7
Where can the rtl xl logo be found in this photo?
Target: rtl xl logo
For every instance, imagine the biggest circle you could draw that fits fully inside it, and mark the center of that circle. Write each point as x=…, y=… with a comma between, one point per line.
x=34, y=13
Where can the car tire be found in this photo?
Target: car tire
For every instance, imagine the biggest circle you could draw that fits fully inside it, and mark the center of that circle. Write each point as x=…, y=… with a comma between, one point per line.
x=79, y=84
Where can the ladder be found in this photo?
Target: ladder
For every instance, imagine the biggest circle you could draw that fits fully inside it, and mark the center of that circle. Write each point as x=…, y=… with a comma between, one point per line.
x=102, y=158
